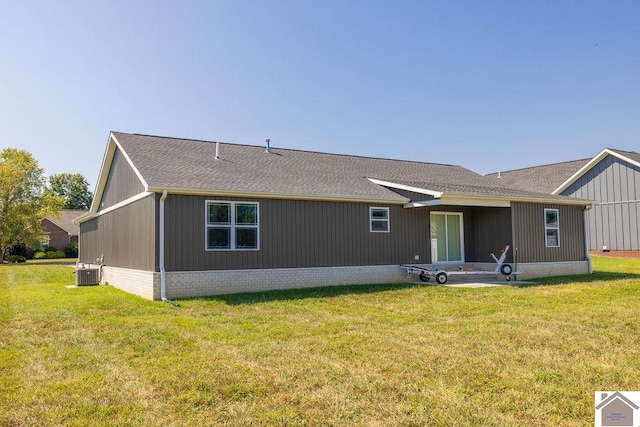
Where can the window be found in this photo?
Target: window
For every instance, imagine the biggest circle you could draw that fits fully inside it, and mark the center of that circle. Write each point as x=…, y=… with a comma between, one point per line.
x=447, y=237
x=231, y=225
x=45, y=241
x=379, y=220
x=551, y=228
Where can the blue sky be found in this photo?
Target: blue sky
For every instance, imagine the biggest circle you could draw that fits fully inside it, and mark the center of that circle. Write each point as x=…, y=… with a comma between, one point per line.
x=489, y=85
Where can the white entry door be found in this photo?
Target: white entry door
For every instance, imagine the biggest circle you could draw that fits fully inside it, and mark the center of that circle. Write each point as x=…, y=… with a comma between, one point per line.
x=447, y=240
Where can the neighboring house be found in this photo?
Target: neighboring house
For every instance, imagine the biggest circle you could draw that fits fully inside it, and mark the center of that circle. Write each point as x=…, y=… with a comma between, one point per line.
x=183, y=218
x=612, y=178
x=60, y=231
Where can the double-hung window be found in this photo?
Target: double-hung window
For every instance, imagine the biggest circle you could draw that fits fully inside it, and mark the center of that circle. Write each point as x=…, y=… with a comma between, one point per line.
x=379, y=220
x=551, y=228
x=231, y=225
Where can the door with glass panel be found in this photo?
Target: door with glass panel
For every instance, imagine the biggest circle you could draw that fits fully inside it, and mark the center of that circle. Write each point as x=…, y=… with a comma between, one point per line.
x=447, y=240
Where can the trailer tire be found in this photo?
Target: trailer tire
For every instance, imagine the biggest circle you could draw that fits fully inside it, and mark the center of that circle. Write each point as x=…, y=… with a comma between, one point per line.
x=506, y=269
x=441, y=278
x=424, y=277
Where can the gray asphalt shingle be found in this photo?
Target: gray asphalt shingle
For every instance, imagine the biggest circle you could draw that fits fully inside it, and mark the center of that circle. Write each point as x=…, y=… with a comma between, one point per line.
x=547, y=178
x=541, y=179
x=183, y=164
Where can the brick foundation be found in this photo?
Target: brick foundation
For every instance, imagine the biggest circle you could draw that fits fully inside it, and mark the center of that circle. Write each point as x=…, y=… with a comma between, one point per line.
x=189, y=284
x=204, y=283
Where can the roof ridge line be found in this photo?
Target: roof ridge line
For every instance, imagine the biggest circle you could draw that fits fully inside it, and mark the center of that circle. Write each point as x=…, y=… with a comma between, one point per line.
x=539, y=166
x=299, y=150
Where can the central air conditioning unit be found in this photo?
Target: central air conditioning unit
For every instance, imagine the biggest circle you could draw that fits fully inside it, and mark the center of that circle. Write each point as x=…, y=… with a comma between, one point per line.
x=87, y=276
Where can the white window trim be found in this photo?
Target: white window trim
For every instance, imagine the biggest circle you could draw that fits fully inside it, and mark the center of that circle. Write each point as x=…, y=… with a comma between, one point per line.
x=371, y=219
x=461, y=215
x=232, y=226
x=547, y=227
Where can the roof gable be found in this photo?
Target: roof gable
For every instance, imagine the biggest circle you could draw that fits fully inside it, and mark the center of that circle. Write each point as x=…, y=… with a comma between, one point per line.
x=65, y=220
x=627, y=156
x=107, y=161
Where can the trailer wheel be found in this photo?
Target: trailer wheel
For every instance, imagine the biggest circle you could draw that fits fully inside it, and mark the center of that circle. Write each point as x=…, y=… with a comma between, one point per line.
x=424, y=277
x=441, y=278
x=506, y=269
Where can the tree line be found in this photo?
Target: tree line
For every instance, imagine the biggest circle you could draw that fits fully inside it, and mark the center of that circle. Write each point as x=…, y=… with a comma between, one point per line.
x=27, y=197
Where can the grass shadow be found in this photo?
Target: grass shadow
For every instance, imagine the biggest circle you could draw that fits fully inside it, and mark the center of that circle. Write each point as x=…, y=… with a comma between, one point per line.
x=306, y=293
x=31, y=262
x=597, y=276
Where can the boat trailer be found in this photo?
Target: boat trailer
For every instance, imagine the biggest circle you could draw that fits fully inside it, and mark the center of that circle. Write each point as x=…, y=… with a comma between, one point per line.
x=441, y=276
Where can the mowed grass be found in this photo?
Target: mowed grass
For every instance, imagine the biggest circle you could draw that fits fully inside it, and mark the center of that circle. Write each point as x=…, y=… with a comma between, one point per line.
x=407, y=355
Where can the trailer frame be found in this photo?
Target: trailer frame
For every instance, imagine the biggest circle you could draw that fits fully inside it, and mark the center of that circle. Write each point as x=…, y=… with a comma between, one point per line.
x=442, y=276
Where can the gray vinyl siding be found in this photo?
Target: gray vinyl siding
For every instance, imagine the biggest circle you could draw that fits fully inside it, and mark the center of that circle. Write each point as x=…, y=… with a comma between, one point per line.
x=491, y=233
x=529, y=233
x=122, y=182
x=486, y=231
x=297, y=234
x=317, y=234
x=614, y=222
x=126, y=236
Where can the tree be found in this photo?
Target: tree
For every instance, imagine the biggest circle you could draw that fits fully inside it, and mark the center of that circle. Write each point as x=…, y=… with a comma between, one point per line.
x=23, y=199
x=73, y=188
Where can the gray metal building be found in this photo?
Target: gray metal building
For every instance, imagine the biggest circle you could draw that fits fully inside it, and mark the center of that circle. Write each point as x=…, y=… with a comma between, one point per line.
x=612, y=178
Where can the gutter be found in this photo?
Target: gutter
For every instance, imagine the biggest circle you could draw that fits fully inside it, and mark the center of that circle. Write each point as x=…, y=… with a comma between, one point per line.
x=586, y=237
x=163, y=273
x=282, y=196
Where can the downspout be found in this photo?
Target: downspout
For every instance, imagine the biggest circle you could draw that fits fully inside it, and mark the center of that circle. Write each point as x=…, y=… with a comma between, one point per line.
x=163, y=273
x=586, y=238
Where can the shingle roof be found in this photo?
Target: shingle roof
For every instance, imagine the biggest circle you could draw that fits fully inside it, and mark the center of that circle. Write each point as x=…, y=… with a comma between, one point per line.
x=547, y=178
x=542, y=179
x=485, y=186
x=183, y=164
x=628, y=154
x=65, y=221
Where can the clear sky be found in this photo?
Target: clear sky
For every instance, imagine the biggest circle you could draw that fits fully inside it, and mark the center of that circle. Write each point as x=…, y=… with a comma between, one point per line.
x=489, y=85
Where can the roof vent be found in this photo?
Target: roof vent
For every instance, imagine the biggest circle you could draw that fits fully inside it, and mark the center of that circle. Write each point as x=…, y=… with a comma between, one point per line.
x=268, y=141
x=217, y=150
x=498, y=174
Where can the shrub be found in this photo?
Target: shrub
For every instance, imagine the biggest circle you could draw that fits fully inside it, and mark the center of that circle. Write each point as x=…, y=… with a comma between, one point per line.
x=20, y=249
x=71, y=250
x=56, y=254
x=49, y=255
x=50, y=249
x=16, y=258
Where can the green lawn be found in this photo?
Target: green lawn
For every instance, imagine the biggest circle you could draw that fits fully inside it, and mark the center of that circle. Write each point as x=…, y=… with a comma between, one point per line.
x=408, y=355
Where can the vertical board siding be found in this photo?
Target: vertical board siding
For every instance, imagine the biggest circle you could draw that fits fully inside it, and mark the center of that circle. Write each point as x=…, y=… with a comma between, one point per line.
x=486, y=231
x=125, y=236
x=492, y=232
x=529, y=233
x=297, y=233
x=614, y=222
x=122, y=182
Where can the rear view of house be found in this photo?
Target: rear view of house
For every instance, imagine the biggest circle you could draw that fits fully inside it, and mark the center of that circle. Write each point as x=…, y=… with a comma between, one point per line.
x=180, y=218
